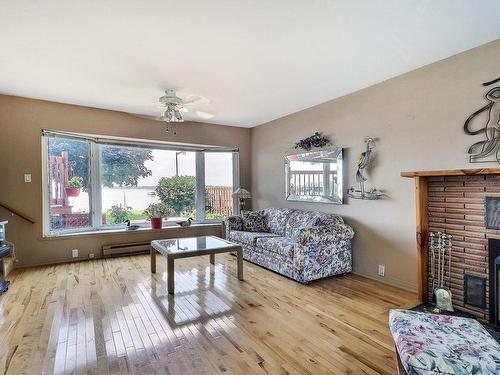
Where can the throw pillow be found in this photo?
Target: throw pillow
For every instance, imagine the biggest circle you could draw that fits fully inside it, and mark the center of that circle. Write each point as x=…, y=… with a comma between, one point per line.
x=254, y=221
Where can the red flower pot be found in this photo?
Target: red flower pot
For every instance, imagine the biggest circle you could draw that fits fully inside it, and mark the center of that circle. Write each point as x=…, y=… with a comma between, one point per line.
x=72, y=191
x=156, y=222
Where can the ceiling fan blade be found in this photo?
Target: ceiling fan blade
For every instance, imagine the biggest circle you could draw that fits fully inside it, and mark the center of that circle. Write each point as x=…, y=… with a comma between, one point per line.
x=147, y=117
x=194, y=99
x=204, y=115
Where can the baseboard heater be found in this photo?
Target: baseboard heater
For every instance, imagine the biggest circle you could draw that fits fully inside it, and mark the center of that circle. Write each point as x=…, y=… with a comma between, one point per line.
x=126, y=248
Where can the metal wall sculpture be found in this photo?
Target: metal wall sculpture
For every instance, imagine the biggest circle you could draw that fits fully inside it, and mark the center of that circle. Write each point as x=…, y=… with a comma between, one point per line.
x=489, y=148
x=363, y=164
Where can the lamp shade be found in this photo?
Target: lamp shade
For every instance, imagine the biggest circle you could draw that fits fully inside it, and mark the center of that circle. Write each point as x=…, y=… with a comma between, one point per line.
x=241, y=193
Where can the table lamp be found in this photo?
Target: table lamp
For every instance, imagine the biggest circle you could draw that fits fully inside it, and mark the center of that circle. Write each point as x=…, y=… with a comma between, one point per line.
x=242, y=194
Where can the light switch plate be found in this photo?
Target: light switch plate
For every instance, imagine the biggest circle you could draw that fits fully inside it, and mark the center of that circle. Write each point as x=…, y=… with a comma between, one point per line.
x=27, y=177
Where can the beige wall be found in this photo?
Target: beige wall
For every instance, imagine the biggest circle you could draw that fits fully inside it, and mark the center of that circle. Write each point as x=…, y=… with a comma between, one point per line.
x=21, y=121
x=417, y=118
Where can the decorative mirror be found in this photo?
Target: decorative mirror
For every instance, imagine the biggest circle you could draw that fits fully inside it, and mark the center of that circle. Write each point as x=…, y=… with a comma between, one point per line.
x=314, y=176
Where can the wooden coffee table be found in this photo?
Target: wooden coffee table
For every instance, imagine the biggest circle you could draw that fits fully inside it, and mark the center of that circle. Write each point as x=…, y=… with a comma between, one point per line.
x=188, y=247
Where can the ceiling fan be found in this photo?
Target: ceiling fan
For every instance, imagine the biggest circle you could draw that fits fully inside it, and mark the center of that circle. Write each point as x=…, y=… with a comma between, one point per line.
x=173, y=108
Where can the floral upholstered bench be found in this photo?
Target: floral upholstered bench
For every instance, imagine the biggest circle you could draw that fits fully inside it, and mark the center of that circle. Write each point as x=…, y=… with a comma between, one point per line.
x=428, y=344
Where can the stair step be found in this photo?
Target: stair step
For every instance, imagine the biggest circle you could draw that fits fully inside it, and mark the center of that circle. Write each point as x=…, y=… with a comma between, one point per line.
x=8, y=265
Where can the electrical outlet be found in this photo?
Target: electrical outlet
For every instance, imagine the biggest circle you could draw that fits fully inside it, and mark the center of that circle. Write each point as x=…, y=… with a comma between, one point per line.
x=91, y=256
x=27, y=177
x=74, y=253
x=381, y=270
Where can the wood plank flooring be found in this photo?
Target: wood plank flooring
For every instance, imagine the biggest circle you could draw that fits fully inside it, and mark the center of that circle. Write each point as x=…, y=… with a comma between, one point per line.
x=111, y=316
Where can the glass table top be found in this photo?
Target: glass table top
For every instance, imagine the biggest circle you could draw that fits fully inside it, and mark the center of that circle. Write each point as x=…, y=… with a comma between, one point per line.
x=191, y=244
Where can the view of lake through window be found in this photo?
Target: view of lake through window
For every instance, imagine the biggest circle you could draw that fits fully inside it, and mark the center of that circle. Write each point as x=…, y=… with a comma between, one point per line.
x=130, y=180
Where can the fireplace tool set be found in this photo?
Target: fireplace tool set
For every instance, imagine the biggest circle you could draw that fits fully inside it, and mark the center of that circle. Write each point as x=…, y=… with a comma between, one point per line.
x=440, y=251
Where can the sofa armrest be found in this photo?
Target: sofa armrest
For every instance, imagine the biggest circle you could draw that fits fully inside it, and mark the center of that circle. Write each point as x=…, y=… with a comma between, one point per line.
x=324, y=233
x=322, y=251
x=232, y=223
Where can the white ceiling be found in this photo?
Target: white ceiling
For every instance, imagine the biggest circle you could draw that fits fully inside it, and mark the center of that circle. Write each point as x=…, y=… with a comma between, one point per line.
x=255, y=60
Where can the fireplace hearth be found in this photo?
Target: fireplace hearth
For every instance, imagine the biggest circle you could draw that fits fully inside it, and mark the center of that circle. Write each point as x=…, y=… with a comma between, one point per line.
x=494, y=271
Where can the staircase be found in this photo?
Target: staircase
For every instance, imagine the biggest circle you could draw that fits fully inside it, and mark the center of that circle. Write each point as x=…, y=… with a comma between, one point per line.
x=6, y=258
x=8, y=265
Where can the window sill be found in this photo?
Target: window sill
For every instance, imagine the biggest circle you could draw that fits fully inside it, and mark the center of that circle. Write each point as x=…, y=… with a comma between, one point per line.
x=120, y=231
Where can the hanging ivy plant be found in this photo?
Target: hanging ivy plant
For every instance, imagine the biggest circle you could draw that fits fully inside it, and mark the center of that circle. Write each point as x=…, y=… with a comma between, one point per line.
x=315, y=140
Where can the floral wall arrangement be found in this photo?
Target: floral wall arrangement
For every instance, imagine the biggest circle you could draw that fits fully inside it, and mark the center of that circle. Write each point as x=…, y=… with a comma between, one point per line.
x=315, y=140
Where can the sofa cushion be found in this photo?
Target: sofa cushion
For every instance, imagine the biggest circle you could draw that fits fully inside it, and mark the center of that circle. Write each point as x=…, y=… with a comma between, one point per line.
x=439, y=344
x=269, y=260
x=330, y=220
x=254, y=221
x=279, y=245
x=299, y=219
x=276, y=219
x=248, y=238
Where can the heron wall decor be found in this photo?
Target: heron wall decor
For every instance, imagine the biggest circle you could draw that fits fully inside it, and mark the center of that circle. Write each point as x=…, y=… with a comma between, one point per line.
x=364, y=162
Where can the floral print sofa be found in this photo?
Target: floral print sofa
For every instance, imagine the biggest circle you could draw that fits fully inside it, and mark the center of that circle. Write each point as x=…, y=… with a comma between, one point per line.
x=430, y=344
x=302, y=245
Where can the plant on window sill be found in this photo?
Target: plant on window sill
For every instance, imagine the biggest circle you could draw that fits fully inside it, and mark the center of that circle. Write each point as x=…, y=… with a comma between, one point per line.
x=74, y=186
x=156, y=212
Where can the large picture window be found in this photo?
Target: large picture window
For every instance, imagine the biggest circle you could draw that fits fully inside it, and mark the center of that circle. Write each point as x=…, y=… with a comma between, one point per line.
x=98, y=184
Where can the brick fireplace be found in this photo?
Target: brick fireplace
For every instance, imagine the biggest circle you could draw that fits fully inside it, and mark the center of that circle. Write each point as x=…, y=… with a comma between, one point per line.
x=494, y=272
x=456, y=206
x=453, y=202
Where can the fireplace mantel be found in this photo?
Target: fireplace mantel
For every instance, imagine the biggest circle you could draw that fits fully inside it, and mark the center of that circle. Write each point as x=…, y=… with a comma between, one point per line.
x=422, y=179
x=452, y=172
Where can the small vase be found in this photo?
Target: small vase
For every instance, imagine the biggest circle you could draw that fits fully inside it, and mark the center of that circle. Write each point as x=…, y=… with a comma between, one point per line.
x=156, y=222
x=72, y=191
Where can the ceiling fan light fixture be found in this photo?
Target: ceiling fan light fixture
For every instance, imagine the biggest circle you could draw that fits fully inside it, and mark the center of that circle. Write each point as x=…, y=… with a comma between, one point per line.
x=172, y=114
x=178, y=116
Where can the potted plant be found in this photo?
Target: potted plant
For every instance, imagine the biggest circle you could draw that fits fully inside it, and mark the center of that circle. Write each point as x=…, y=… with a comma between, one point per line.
x=155, y=213
x=118, y=214
x=74, y=186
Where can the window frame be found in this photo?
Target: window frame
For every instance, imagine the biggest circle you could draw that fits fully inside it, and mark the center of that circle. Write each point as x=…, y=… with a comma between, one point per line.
x=95, y=187
x=236, y=185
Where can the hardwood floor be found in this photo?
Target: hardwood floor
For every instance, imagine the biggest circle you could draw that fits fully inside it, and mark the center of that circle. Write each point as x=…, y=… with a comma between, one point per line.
x=112, y=316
